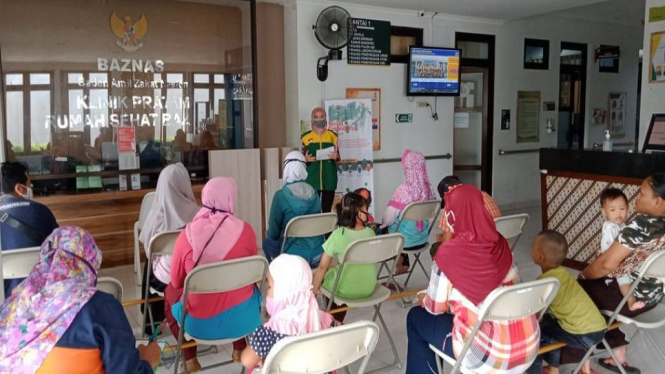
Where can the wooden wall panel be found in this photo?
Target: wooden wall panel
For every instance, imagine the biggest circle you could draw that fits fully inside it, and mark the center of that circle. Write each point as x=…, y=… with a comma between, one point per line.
x=108, y=216
x=243, y=165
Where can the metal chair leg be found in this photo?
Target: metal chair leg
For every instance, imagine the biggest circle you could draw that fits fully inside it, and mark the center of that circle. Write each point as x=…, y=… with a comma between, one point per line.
x=614, y=358
x=588, y=354
x=396, y=362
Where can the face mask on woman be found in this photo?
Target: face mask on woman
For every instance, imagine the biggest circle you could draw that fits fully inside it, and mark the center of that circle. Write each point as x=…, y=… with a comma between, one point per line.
x=319, y=123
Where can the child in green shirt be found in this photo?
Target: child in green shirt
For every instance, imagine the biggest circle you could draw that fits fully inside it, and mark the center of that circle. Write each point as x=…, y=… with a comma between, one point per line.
x=572, y=317
x=359, y=280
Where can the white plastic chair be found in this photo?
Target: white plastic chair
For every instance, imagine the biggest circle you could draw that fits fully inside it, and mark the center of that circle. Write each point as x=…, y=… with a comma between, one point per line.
x=160, y=244
x=653, y=267
x=312, y=353
x=504, y=304
x=111, y=286
x=309, y=226
x=418, y=211
x=146, y=205
x=372, y=250
x=511, y=227
x=219, y=277
x=18, y=263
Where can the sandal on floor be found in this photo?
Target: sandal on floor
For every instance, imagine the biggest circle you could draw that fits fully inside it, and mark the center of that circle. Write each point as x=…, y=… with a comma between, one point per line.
x=613, y=368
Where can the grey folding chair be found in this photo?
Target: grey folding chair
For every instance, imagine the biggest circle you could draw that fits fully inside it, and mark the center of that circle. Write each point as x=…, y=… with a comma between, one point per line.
x=510, y=227
x=372, y=250
x=18, y=263
x=309, y=225
x=160, y=244
x=418, y=211
x=653, y=267
x=146, y=205
x=504, y=304
x=219, y=277
x=111, y=286
x=312, y=353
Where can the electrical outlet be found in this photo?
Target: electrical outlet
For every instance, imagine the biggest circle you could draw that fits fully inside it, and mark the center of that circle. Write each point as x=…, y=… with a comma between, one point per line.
x=423, y=104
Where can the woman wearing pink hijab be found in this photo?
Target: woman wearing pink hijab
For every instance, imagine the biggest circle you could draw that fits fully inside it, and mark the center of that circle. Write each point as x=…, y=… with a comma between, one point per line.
x=292, y=307
x=417, y=187
x=214, y=235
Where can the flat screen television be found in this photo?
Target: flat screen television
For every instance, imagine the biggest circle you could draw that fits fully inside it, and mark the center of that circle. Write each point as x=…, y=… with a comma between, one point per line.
x=655, y=139
x=433, y=71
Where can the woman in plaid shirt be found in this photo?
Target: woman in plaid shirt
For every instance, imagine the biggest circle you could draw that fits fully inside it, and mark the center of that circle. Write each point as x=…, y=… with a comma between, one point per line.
x=466, y=270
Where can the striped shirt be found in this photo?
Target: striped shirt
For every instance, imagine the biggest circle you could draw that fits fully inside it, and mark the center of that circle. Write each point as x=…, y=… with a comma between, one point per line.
x=498, y=347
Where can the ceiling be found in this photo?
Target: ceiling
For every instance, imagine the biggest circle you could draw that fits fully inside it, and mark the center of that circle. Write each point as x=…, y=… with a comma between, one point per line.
x=621, y=12
x=489, y=9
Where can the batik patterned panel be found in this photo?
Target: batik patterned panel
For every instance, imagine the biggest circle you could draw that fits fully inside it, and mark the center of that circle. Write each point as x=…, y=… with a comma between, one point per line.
x=573, y=209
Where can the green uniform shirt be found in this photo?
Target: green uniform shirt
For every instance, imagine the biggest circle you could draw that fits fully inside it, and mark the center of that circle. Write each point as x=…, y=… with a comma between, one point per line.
x=572, y=307
x=358, y=280
x=322, y=175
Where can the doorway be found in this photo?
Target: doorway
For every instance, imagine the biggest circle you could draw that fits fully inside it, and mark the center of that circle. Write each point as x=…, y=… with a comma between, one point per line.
x=572, y=95
x=474, y=108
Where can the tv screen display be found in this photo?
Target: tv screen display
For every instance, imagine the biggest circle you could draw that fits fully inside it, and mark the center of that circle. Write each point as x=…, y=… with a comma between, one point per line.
x=433, y=72
x=655, y=139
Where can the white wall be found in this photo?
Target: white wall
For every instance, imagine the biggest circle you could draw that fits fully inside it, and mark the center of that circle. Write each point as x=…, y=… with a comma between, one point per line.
x=516, y=179
x=652, y=93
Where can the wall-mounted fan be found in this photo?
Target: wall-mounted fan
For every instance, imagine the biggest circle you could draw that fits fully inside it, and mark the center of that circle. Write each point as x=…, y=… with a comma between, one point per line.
x=332, y=31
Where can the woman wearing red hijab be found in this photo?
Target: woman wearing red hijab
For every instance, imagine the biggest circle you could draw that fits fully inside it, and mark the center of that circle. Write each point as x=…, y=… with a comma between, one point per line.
x=465, y=270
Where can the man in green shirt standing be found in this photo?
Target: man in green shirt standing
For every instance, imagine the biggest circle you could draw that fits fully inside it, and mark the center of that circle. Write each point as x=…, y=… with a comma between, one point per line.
x=321, y=173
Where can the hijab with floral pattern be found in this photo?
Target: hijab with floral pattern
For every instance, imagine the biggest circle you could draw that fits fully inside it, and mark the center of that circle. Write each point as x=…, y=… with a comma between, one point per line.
x=43, y=306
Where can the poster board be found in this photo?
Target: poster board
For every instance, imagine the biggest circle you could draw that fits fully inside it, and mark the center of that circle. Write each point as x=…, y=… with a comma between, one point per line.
x=369, y=43
x=617, y=114
x=528, y=116
x=657, y=58
x=375, y=95
x=352, y=121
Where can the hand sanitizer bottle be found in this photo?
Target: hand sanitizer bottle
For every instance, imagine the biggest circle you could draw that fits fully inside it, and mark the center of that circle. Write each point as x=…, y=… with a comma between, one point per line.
x=607, y=143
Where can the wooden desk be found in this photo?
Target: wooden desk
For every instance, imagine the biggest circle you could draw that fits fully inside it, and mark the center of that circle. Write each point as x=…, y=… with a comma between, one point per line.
x=108, y=216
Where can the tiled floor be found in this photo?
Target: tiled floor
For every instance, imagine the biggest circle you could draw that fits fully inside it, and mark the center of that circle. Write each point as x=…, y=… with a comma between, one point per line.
x=641, y=353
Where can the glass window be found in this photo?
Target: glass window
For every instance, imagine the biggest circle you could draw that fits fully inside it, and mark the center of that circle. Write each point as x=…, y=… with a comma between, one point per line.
x=474, y=50
x=14, y=79
x=179, y=98
x=571, y=57
x=40, y=78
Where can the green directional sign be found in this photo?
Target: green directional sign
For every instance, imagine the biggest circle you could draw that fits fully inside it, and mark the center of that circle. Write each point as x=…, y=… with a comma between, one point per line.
x=404, y=117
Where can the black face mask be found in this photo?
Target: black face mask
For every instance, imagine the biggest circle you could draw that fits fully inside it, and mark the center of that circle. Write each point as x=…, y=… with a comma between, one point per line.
x=364, y=221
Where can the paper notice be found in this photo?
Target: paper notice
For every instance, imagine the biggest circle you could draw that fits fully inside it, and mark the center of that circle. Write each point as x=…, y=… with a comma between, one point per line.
x=122, y=180
x=324, y=154
x=126, y=160
x=136, y=181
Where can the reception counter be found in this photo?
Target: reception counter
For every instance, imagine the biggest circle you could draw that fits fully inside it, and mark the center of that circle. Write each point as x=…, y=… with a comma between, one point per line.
x=571, y=184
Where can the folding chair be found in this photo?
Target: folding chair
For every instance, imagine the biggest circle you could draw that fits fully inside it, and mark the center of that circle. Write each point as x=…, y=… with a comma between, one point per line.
x=111, y=286
x=312, y=353
x=511, y=227
x=160, y=244
x=418, y=211
x=146, y=205
x=18, y=263
x=372, y=250
x=309, y=225
x=504, y=304
x=219, y=277
x=653, y=267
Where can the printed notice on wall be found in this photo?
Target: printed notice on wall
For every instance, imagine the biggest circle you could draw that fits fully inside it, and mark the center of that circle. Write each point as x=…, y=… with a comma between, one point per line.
x=369, y=43
x=528, y=116
x=126, y=139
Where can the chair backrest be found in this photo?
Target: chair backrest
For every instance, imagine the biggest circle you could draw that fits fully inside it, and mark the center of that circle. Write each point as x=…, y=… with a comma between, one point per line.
x=111, y=286
x=511, y=227
x=421, y=211
x=373, y=250
x=146, y=205
x=226, y=276
x=309, y=225
x=18, y=263
x=312, y=353
x=163, y=243
x=270, y=186
x=513, y=302
x=520, y=300
x=654, y=265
